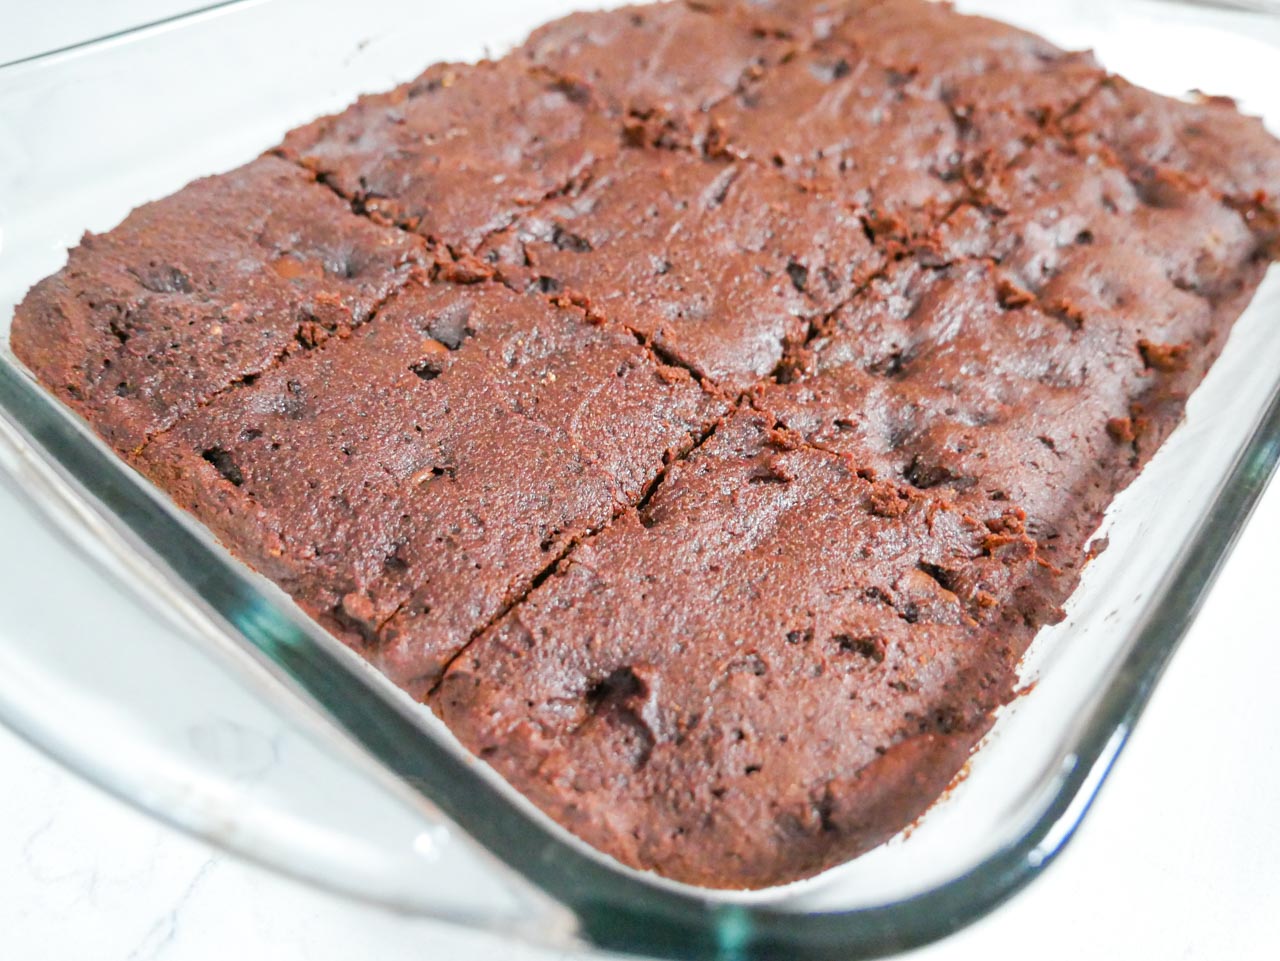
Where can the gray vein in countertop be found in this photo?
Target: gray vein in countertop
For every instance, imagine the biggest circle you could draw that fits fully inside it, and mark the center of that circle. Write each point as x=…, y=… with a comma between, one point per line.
x=163, y=932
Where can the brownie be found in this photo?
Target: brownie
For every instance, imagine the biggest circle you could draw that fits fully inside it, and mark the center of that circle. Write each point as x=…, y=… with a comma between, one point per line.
x=456, y=153
x=829, y=115
x=409, y=481
x=1155, y=267
x=1043, y=354
x=801, y=20
x=205, y=288
x=701, y=408
x=1158, y=138
x=937, y=49
x=769, y=663
x=720, y=265
x=884, y=102
x=931, y=381
x=662, y=67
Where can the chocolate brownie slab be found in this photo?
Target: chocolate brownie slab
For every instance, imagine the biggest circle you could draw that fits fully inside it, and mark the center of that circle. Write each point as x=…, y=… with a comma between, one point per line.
x=458, y=152
x=720, y=265
x=764, y=672
x=211, y=285
x=472, y=437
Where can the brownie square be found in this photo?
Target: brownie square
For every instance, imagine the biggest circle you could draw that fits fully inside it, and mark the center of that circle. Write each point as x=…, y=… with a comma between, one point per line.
x=801, y=20
x=1151, y=266
x=938, y=48
x=660, y=66
x=473, y=436
x=776, y=661
x=458, y=152
x=719, y=265
x=204, y=288
x=1157, y=137
x=833, y=115
x=933, y=380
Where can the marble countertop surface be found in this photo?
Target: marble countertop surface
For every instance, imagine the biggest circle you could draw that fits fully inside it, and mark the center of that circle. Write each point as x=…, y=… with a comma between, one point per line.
x=1177, y=860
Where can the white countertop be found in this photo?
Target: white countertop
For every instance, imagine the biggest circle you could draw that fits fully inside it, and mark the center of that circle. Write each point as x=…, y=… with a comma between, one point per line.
x=1179, y=859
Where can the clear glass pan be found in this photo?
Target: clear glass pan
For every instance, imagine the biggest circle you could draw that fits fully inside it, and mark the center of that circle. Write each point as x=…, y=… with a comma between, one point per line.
x=142, y=655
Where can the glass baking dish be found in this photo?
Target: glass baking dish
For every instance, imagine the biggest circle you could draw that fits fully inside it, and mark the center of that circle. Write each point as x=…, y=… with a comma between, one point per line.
x=137, y=651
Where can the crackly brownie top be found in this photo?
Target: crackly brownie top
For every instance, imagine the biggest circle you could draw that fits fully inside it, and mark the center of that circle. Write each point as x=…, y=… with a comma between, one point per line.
x=701, y=407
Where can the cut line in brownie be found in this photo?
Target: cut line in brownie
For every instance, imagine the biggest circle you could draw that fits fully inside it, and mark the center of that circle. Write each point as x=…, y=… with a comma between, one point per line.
x=408, y=482
x=209, y=286
x=719, y=265
x=763, y=673
x=456, y=153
